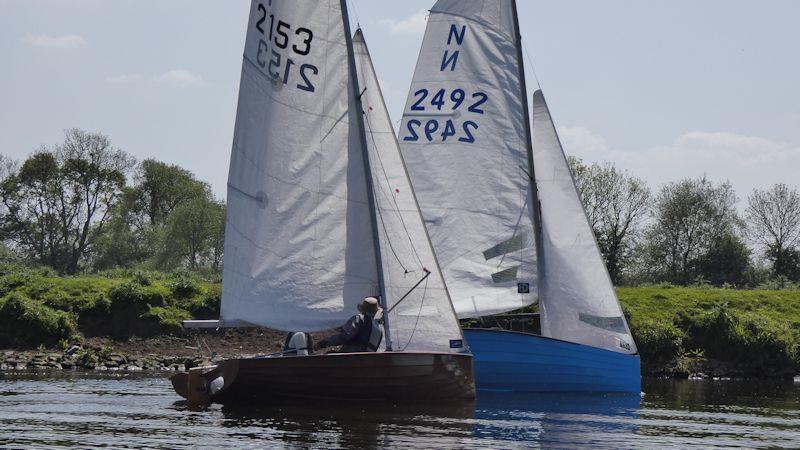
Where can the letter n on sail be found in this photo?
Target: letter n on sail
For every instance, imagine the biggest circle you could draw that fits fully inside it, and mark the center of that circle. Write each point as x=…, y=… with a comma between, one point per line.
x=451, y=59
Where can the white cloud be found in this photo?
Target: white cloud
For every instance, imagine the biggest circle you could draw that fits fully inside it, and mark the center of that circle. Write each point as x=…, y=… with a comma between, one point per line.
x=413, y=25
x=123, y=78
x=583, y=139
x=746, y=161
x=180, y=77
x=47, y=41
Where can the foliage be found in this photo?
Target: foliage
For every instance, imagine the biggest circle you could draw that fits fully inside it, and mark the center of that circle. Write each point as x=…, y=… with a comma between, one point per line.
x=194, y=234
x=165, y=319
x=773, y=220
x=184, y=285
x=616, y=204
x=59, y=198
x=757, y=328
x=690, y=216
x=166, y=220
x=726, y=261
x=27, y=321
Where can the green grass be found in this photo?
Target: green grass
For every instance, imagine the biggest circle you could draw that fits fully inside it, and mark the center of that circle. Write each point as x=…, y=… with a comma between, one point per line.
x=37, y=307
x=671, y=325
x=759, y=329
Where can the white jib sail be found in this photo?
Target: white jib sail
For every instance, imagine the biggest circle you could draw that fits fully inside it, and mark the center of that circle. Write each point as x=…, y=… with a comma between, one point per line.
x=576, y=297
x=464, y=142
x=424, y=319
x=299, y=249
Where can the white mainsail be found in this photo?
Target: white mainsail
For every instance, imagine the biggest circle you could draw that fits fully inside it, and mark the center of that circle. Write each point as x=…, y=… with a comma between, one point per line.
x=424, y=319
x=464, y=141
x=302, y=244
x=475, y=185
x=299, y=253
x=576, y=298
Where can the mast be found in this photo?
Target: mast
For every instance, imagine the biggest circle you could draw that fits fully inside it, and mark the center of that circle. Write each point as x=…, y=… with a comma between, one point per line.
x=437, y=267
x=535, y=206
x=367, y=170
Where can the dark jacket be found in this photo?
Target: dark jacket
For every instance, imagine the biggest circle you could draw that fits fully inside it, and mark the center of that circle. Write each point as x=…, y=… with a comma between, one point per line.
x=361, y=333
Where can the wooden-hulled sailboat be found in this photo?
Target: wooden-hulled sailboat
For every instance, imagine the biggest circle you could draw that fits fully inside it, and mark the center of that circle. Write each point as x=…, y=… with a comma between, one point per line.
x=320, y=215
x=507, y=235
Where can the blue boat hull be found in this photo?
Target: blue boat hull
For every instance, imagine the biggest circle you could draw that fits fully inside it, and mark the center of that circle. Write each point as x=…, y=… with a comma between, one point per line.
x=520, y=362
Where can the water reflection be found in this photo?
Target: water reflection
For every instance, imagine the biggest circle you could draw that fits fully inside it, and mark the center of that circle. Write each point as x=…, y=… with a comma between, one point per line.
x=556, y=419
x=57, y=411
x=351, y=425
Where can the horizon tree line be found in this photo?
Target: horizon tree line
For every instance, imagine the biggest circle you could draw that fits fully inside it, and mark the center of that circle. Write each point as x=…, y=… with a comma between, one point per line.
x=84, y=205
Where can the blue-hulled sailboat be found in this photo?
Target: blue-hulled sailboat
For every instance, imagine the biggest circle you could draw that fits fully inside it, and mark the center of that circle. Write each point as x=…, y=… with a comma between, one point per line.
x=503, y=213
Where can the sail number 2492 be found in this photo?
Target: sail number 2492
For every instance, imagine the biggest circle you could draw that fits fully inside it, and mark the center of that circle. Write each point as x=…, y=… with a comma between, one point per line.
x=281, y=43
x=442, y=130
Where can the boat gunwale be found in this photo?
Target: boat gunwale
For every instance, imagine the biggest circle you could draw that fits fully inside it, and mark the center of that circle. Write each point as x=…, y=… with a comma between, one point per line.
x=500, y=330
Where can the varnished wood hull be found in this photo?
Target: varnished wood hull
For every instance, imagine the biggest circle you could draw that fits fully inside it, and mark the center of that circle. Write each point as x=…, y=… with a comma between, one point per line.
x=347, y=376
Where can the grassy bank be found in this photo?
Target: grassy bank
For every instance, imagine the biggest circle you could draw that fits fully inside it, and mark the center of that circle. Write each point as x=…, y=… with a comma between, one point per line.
x=39, y=308
x=678, y=330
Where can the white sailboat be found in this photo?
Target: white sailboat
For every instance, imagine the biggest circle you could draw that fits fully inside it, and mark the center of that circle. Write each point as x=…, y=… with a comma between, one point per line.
x=320, y=215
x=503, y=212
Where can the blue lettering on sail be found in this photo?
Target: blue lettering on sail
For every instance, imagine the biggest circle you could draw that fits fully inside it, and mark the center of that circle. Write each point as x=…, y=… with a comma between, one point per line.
x=451, y=61
x=454, y=33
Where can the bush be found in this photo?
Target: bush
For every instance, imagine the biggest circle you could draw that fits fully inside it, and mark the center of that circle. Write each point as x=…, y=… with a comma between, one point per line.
x=129, y=301
x=24, y=321
x=758, y=342
x=184, y=286
x=658, y=341
x=161, y=320
x=206, y=306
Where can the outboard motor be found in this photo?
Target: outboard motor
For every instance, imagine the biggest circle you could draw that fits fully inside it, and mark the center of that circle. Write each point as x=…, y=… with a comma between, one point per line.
x=298, y=343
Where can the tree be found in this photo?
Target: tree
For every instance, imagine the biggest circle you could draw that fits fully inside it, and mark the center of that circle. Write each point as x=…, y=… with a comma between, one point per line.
x=616, y=204
x=773, y=221
x=136, y=227
x=193, y=235
x=59, y=200
x=161, y=187
x=690, y=215
x=726, y=261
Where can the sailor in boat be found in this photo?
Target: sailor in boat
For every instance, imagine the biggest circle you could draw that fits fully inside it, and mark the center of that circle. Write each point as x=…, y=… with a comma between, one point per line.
x=361, y=333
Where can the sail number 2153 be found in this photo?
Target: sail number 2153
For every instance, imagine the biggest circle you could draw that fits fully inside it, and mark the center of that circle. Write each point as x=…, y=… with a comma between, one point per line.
x=281, y=43
x=442, y=130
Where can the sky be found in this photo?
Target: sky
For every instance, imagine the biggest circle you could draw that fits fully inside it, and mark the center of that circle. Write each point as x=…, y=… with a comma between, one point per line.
x=666, y=90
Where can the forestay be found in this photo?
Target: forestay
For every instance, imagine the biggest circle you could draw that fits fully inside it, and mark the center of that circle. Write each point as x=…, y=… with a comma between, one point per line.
x=464, y=142
x=424, y=319
x=299, y=253
x=576, y=298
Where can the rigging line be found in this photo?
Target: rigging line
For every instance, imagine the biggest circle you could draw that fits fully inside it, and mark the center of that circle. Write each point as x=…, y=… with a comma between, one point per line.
x=394, y=199
x=378, y=210
x=351, y=6
x=530, y=63
x=389, y=241
x=419, y=313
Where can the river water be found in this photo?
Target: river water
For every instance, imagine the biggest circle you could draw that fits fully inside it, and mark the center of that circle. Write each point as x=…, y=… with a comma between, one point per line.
x=142, y=411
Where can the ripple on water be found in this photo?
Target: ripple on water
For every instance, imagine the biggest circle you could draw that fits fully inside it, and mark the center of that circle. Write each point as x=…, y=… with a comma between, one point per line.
x=141, y=411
